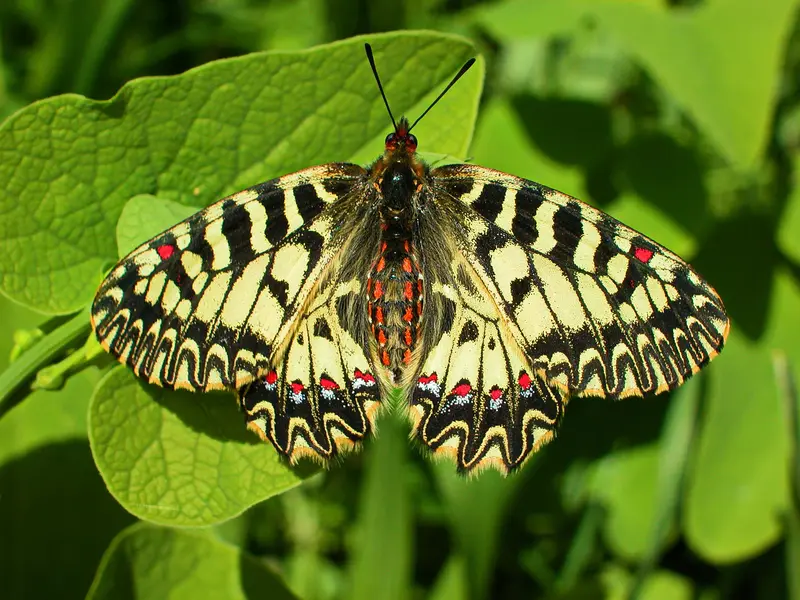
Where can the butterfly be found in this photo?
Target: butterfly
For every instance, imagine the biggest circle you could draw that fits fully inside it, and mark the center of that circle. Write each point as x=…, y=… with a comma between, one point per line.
x=482, y=299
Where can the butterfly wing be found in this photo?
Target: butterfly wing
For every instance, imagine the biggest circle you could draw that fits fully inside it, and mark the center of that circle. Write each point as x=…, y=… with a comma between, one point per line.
x=320, y=396
x=207, y=303
x=598, y=308
x=477, y=397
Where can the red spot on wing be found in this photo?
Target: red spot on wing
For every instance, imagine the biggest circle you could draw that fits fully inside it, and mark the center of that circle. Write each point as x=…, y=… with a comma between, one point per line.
x=429, y=378
x=407, y=356
x=462, y=389
x=408, y=291
x=381, y=265
x=385, y=358
x=363, y=376
x=379, y=314
x=271, y=377
x=165, y=251
x=524, y=381
x=297, y=387
x=407, y=265
x=495, y=393
x=643, y=254
x=381, y=337
x=408, y=316
x=377, y=291
x=407, y=336
x=328, y=384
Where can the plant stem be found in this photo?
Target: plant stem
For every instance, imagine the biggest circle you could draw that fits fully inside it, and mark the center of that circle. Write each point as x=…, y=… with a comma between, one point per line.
x=40, y=355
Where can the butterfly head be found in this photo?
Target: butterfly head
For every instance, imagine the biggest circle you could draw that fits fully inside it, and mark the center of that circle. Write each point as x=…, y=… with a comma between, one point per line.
x=401, y=139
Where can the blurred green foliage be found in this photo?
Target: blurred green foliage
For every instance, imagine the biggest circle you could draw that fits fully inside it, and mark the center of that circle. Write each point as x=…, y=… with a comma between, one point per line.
x=680, y=118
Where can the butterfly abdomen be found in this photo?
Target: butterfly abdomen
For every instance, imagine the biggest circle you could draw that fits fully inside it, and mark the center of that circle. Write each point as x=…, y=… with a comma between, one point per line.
x=394, y=297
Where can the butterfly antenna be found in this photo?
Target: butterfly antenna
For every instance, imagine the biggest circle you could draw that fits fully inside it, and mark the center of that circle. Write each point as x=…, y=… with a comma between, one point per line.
x=371, y=60
x=458, y=76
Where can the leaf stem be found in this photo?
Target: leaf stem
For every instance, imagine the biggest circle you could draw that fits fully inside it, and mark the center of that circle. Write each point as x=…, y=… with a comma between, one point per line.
x=40, y=355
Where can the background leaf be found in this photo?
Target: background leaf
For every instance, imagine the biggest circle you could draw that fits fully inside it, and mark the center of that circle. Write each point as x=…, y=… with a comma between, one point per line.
x=144, y=217
x=54, y=508
x=698, y=55
x=382, y=545
x=145, y=561
x=179, y=460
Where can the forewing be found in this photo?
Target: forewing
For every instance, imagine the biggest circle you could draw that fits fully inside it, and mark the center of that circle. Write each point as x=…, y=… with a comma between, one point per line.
x=477, y=396
x=321, y=396
x=599, y=308
x=205, y=304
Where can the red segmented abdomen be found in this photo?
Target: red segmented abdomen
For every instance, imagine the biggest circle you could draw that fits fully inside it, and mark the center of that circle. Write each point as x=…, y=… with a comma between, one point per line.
x=394, y=300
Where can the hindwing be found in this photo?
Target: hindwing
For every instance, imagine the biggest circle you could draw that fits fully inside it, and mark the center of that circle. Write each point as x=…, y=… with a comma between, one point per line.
x=598, y=308
x=205, y=304
x=477, y=397
x=319, y=396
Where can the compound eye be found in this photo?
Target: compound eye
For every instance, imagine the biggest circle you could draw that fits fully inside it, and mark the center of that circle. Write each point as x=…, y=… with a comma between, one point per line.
x=412, y=140
x=389, y=139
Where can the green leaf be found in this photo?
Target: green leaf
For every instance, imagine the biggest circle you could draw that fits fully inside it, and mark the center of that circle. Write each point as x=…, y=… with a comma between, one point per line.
x=475, y=509
x=677, y=440
x=145, y=216
x=787, y=385
x=68, y=165
x=47, y=417
x=625, y=482
x=451, y=582
x=385, y=523
x=146, y=561
x=502, y=143
x=739, y=485
x=647, y=218
x=720, y=61
x=178, y=458
x=789, y=226
x=57, y=516
x=661, y=585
